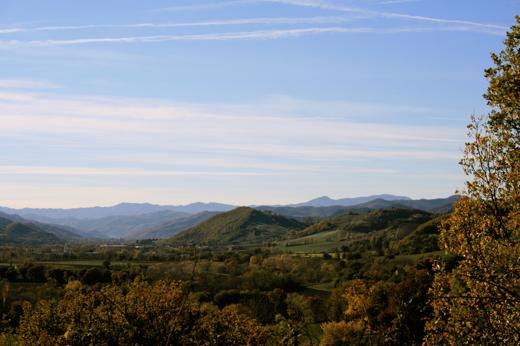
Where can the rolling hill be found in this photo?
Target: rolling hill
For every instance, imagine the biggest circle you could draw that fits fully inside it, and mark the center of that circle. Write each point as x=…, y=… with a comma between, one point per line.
x=398, y=230
x=21, y=234
x=373, y=221
x=241, y=225
x=62, y=233
x=301, y=213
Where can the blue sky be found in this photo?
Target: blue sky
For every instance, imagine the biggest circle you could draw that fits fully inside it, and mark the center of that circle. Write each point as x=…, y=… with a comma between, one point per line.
x=241, y=101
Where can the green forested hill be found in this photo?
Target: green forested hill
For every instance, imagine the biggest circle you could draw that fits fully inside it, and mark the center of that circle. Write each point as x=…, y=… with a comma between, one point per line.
x=381, y=219
x=241, y=225
x=376, y=220
x=4, y=222
x=399, y=230
x=20, y=234
x=16, y=231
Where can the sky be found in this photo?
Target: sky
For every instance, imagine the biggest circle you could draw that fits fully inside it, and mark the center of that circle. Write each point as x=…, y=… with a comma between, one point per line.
x=239, y=101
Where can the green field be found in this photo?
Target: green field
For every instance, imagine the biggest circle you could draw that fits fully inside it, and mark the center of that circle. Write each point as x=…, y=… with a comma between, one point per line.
x=86, y=263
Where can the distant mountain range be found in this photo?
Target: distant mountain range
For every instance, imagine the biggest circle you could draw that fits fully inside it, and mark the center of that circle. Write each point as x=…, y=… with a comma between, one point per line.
x=438, y=205
x=325, y=201
x=122, y=209
x=133, y=209
x=121, y=226
x=149, y=221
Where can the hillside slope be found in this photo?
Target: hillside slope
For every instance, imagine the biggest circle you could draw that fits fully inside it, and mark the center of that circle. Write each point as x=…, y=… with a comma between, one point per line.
x=373, y=221
x=62, y=233
x=241, y=225
x=20, y=234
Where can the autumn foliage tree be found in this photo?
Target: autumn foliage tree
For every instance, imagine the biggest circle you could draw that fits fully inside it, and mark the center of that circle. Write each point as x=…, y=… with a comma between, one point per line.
x=136, y=314
x=478, y=301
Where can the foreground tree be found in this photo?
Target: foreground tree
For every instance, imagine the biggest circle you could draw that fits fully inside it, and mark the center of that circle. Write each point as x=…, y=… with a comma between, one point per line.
x=478, y=301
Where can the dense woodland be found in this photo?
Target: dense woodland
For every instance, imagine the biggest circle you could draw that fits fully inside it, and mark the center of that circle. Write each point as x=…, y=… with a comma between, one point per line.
x=380, y=273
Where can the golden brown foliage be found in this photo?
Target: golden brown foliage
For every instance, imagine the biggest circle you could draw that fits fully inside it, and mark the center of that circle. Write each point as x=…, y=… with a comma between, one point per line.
x=136, y=314
x=478, y=302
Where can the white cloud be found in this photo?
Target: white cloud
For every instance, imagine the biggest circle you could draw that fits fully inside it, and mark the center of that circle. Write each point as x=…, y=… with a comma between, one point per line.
x=331, y=152
x=274, y=131
x=207, y=6
x=327, y=5
x=119, y=172
x=350, y=13
x=208, y=23
x=391, y=2
x=10, y=30
x=242, y=35
x=127, y=148
x=25, y=84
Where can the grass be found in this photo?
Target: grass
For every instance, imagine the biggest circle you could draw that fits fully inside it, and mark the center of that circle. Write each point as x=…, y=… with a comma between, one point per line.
x=325, y=286
x=420, y=255
x=87, y=263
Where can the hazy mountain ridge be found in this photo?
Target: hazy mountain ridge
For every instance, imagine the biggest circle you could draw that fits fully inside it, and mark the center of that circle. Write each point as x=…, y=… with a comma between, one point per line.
x=164, y=221
x=438, y=205
x=326, y=201
x=169, y=229
x=122, y=226
x=121, y=209
x=133, y=209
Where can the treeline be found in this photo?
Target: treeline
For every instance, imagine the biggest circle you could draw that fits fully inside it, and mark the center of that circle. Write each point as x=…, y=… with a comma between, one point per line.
x=278, y=295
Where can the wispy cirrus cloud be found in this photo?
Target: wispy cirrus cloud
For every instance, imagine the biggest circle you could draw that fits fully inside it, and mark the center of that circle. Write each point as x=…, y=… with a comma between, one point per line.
x=10, y=30
x=208, y=23
x=233, y=127
x=78, y=142
x=334, y=6
x=241, y=35
x=391, y=2
x=115, y=171
x=326, y=5
x=207, y=6
x=350, y=13
x=26, y=84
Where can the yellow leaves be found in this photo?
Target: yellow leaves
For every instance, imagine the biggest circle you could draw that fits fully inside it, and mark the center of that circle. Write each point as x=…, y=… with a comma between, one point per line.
x=356, y=295
x=478, y=302
x=327, y=267
x=253, y=261
x=136, y=314
x=73, y=285
x=341, y=333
